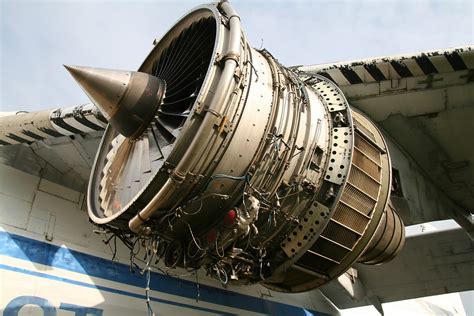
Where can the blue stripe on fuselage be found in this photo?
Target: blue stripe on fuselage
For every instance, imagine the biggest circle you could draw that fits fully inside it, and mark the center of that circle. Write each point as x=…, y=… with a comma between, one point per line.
x=109, y=289
x=59, y=257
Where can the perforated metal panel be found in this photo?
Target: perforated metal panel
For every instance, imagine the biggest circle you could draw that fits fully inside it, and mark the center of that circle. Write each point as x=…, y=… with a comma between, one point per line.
x=360, y=206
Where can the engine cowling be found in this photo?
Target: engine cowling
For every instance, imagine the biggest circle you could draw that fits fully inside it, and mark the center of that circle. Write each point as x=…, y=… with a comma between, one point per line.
x=242, y=166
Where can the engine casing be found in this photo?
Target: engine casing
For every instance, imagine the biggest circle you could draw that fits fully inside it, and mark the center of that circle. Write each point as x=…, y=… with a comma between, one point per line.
x=252, y=171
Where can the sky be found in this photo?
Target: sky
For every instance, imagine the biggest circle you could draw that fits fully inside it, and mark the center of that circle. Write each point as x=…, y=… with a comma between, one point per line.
x=38, y=37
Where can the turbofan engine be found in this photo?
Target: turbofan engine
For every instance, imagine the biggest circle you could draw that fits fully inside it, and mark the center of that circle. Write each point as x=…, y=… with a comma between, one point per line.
x=234, y=163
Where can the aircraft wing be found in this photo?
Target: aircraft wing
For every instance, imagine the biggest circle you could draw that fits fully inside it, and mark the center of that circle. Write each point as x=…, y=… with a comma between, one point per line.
x=425, y=103
x=59, y=144
x=434, y=262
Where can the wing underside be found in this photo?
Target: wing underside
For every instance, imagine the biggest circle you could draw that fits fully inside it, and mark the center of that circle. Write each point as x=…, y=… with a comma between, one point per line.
x=425, y=102
x=59, y=145
x=431, y=263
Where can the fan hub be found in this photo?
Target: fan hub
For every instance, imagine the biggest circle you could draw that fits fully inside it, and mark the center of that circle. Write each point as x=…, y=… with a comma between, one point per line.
x=127, y=99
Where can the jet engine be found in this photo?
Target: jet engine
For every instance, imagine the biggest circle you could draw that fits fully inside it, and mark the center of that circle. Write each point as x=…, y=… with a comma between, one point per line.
x=231, y=162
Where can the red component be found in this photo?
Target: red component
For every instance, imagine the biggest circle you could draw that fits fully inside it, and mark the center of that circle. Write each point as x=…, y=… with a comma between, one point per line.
x=229, y=218
x=212, y=236
x=116, y=205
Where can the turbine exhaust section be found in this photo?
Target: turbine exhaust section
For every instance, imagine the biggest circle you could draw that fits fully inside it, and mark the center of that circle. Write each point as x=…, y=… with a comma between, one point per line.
x=245, y=169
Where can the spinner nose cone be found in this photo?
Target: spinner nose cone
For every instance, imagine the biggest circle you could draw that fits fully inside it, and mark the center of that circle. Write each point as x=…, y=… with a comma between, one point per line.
x=104, y=87
x=127, y=99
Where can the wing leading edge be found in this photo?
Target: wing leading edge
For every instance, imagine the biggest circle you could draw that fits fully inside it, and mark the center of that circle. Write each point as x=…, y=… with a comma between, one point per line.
x=58, y=144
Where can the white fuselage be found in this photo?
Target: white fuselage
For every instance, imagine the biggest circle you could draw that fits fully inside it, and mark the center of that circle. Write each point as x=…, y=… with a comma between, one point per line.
x=51, y=263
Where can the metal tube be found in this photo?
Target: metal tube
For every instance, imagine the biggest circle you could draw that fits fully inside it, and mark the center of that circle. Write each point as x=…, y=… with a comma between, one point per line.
x=222, y=90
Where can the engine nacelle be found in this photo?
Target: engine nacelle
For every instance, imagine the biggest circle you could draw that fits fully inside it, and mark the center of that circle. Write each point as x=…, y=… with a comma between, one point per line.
x=247, y=169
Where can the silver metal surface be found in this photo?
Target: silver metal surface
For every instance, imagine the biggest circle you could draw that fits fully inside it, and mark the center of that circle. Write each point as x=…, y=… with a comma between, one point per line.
x=387, y=241
x=105, y=87
x=26, y=127
x=127, y=99
x=261, y=176
x=340, y=155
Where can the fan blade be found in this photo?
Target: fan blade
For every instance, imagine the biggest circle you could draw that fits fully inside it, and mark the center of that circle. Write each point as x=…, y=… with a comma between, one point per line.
x=145, y=170
x=176, y=46
x=183, y=90
x=167, y=127
x=182, y=114
x=154, y=138
x=200, y=36
x=113, y=177
x=201, y=49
